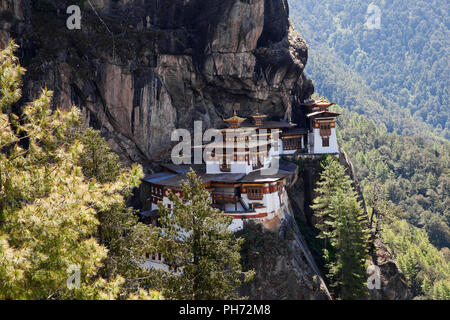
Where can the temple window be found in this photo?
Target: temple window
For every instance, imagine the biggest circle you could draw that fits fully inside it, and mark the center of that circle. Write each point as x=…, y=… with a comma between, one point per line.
x=325, y=129
x=291, y=143
x=255, y=193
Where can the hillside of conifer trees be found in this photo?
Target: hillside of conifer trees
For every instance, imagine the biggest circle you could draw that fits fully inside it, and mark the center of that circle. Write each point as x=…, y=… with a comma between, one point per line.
x=392, y=85
x=397, y=74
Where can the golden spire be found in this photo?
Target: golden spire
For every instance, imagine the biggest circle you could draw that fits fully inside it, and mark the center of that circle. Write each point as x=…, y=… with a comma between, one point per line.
x=235, y=121
x=322, y=103
x=258, y=118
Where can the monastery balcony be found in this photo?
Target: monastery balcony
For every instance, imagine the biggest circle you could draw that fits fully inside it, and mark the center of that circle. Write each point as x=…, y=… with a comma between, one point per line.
x=258, y=211
x=224, y=197
x=229, y=212
x=258, y=208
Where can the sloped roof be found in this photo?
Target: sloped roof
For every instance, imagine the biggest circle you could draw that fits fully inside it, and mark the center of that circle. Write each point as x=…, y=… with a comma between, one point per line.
x=265, y=175
x=160, y=176
x=171, y=179
x=269, y=125
x=323, y=114
x=184, y=168
x=294, y=131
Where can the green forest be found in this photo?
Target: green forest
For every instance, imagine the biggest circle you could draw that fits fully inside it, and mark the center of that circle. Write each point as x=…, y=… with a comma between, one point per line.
x=406, y=186
x=396, y=74
x=408, y=171
x=392, y=84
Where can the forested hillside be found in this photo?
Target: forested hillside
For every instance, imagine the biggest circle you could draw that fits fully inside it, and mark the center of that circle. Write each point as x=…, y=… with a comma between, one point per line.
x=406, y=186
x=386, y=73
x=408, y=171
x=393, y=83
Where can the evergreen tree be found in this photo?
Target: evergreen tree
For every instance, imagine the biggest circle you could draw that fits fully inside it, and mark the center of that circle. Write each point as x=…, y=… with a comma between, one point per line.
x=203, y=254
x=349, y=240
x=333, y=178
x=96, y=159
x=119, y=230
x=343, y=223
x=48, y=209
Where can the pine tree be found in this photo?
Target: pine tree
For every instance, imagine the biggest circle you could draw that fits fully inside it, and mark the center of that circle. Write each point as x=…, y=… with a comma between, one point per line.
x=204, y=255
x=349, y=239
x=96, y=159
x=119, y=230
x=332, y=179
x=343, y=223
x=48, y=209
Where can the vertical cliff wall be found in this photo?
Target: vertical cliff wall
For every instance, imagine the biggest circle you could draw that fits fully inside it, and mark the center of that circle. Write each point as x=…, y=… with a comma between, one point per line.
x=284, y=265
x=140, y=69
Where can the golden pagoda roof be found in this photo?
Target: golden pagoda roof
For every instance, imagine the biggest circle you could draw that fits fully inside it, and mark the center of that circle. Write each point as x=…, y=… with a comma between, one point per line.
x=258, y=115
x=258, y=118
x=322, y=102
x=235, y=118
x=234, y=121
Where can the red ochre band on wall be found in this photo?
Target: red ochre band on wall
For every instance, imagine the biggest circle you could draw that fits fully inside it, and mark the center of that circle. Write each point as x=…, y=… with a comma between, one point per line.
x=246, y=216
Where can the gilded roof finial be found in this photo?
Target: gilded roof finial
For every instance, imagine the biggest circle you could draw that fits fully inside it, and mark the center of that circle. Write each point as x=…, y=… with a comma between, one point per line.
x=258, y=118
x=234, y=121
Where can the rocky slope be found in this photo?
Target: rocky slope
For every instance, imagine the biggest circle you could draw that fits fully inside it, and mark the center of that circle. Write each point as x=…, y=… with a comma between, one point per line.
x=284, y=266
x=140, y=69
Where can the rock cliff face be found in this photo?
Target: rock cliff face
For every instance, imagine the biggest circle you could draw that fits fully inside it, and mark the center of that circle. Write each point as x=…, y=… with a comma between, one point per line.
x=140, y=69
x=284, y=266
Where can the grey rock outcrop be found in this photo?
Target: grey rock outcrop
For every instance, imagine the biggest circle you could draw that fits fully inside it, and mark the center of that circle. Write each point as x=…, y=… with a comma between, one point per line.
x=139, y=69
x=284, y=267
x=393, y=284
